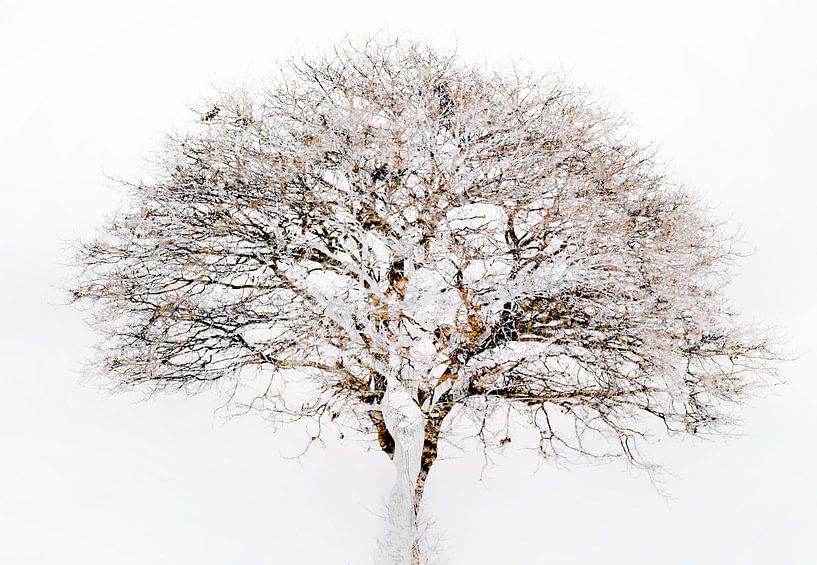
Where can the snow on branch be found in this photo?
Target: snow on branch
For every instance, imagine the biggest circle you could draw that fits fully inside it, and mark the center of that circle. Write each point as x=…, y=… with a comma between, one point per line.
x=389, y=212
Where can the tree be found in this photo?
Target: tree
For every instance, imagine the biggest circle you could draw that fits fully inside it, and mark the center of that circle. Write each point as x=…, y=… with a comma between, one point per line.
x=394, y=241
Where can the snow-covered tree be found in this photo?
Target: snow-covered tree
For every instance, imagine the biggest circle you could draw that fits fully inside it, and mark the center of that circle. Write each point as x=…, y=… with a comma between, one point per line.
x=391, y=240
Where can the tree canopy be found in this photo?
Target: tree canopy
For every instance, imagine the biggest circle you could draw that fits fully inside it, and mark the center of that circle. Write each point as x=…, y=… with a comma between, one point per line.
x=391, y=239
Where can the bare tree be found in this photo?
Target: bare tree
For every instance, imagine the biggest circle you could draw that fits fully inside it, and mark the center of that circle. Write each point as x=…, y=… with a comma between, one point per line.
x=392, y=240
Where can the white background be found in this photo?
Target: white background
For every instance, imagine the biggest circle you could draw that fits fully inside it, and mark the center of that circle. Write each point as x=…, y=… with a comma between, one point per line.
x=727, y=91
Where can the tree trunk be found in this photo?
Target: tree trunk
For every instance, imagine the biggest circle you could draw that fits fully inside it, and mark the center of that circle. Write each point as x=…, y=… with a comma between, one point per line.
x=406, y=424
x=413, y=446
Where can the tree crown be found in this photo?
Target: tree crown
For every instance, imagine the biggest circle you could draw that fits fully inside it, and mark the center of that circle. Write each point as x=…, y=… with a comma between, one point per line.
x=491, y=240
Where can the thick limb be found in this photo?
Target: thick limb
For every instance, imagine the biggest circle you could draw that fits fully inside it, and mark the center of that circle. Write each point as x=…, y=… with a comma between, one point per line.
x=430, y=450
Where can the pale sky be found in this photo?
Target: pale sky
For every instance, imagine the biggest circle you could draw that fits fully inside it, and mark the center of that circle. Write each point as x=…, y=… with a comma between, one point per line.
x=726, y=90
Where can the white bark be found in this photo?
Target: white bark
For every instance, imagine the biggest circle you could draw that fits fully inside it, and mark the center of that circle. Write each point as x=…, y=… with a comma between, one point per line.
x=406, y=424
